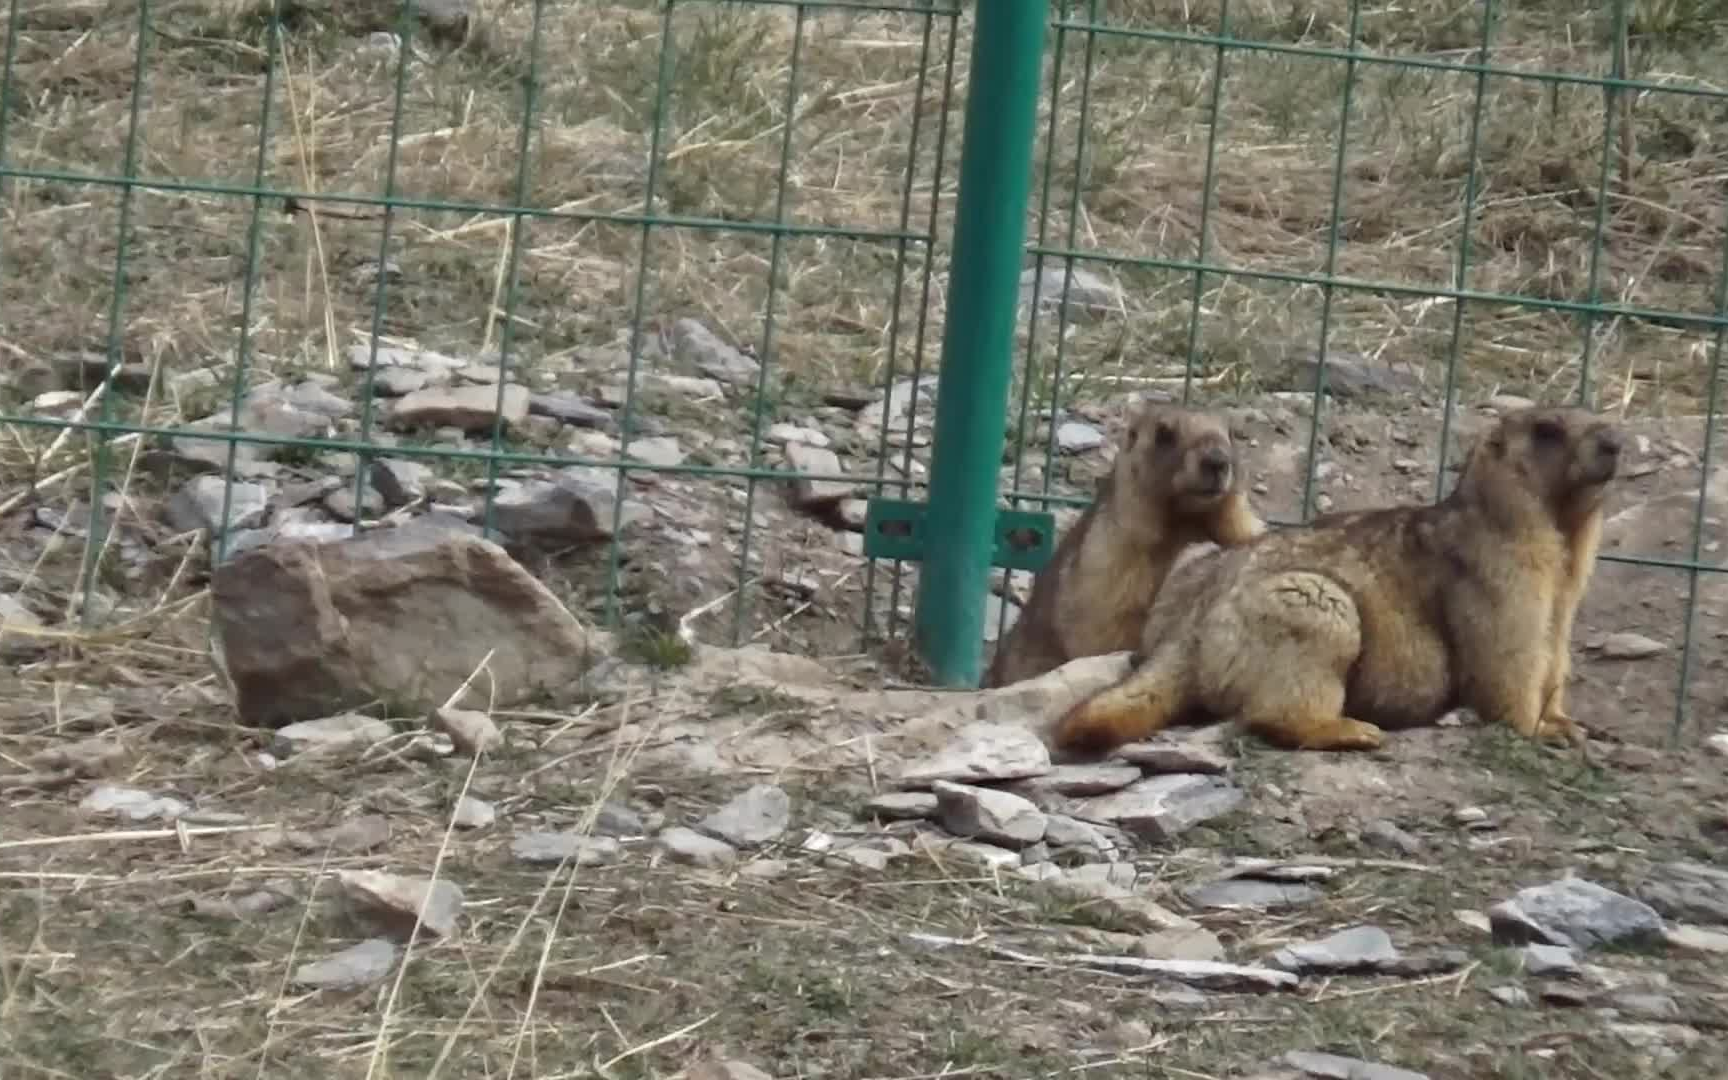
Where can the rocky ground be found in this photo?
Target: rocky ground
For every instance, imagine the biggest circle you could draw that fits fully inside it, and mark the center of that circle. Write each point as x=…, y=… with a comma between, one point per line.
x=418, y=806
x=673, y=857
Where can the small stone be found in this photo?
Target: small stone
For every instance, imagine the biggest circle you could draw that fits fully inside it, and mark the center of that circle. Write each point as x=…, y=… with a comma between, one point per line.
x=1505, y=403
x=1573, y=912
x=695, y=345
x=982, y=751
x=342, y=506
x=1696, y=939
x=132, y=803
x=1629, y=646
x=1687, y=890
x=330, y=734
x=1642, y=1006
x=1076, y=438
x=1469, y=815
x=398, y=381
x=199, y=505
x=986, y=855
x=569, y=409
x=16, y=623
x=1549, y=960
x=1084, y=293
x=1335, y=1067
x=473, y=732
x=783, y=433
x=1161, y=808
x=397, y=898
x=472, y=813
x=1511, y=996
x=754, y=817
x=1249, y=893
x=1197, y=943
x=726, y=1070
x=1357, y=948
x=555, y=847
x=472, y=409
x=813, y=494
x=357, y=836
x=576, y=505
x=1718, y=743
x=613, y=819
x=661, y=451
x=1475, y=920
x=1077, y=781
x=1388, y=836
x=1351, y=377
x=997, y=817
x=901, y=806
x=1205, y=974
x=689, y=846
x=353, y=967
x=1171, y=755
x=1062, y=831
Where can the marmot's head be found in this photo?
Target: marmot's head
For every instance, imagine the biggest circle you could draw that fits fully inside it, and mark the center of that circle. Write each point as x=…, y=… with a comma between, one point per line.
x=1180, y=455
x=1562, y=459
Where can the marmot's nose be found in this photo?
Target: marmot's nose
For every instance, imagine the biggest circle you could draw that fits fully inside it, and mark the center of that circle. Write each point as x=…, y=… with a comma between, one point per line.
x=1215, y=460
x=1608, y=441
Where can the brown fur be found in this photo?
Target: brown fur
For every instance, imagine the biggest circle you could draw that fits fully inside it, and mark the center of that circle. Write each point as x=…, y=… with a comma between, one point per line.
x=1320, y=637
x=1174, y=483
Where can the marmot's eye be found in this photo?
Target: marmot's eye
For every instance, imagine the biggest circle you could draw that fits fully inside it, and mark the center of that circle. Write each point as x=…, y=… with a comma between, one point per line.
x=1166, y=435
x=1548, y=431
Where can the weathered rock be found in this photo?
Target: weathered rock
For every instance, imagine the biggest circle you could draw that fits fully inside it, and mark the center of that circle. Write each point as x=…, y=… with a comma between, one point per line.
x=368, y=832
x=1334, y=1067
x=813, y=494
x=1065, y=833
x=1348, y=377
x=1573, y=912
x=754, y=817
x=1642, y=1006
x=1697, y=939
x=1172, y=755
x=304, y=630
x=472, y=409
x=1075, y=437
x=199, y=505
x=1388, y=836
x=570, y=409
x=660, y=451
x=1511, y=996
x=944, y=848
x=395, y=899
x=783, y=433
x=613, y=819
x=1087, y=294
x=343, y=506
x=981, y=751
x=717, y=1069
x=697, y=346
x=1687, y=890
x=901, y=806
x=555, y=847
x=1250, y=893
x=1205, y=974
x=399, y=482
x=1161, y=808
x=16, y=625
x=132, y=803
x=995, y=817
x=1356, y=948
x=329, y=735
x=575, y=506
x=353, y=967
x=1077, y=781
x=1630, y=646
x=689, y=846
x=472, y=813
x=1196, y=943
x=1550, y=960
x=470, y=730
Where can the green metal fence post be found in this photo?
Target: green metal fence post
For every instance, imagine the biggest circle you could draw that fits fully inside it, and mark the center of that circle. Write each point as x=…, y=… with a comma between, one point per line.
x=978, y=335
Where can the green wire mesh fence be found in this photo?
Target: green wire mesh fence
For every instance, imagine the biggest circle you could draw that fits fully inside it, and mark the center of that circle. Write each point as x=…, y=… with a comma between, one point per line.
x=374, y=260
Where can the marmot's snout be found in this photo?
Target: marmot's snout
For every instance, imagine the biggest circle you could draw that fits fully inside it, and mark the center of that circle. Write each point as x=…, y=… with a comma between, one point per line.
x=1214, y=467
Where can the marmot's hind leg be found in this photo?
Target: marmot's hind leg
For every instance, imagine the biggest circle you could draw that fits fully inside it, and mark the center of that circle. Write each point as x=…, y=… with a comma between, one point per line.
x=1305, y=711
x=1144, y=703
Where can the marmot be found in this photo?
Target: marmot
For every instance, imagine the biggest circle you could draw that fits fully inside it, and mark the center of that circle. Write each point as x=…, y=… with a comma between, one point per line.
x=1175, y=482
x=1320, y=637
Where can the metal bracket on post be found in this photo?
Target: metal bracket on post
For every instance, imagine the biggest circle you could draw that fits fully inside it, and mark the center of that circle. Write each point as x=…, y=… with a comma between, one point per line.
x=959, y=531
x=894, y=529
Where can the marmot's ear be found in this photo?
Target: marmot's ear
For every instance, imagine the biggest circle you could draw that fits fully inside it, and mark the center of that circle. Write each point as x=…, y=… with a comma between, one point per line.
x=1133, y=436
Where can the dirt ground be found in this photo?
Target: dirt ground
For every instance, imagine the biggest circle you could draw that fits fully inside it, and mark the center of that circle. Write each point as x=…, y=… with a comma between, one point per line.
x=117, y=954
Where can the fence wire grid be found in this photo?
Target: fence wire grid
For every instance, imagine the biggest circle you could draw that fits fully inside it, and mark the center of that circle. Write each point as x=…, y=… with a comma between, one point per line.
x=240, y=238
